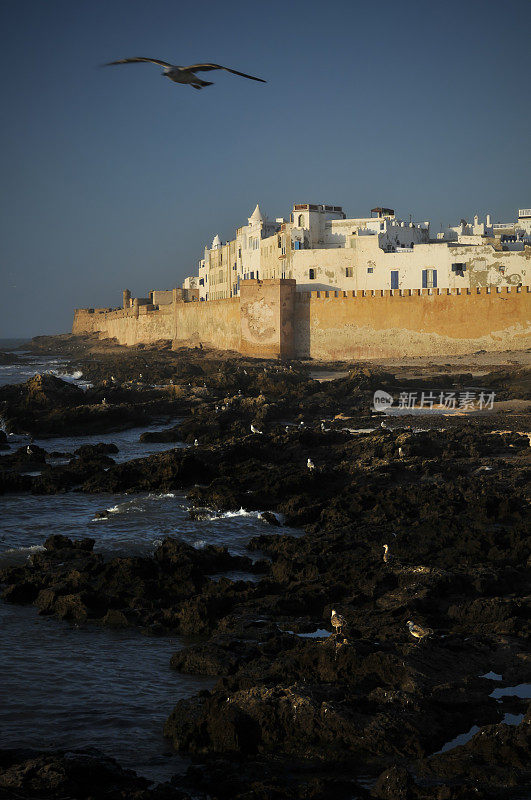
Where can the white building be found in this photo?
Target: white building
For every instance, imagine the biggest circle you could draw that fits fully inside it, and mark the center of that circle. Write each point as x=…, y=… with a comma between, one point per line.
x=323, y=250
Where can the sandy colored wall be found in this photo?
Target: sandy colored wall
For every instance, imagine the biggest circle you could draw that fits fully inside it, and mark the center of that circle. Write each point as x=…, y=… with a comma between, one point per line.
x=418, y=322
x=125, y=325
x=271, y=319
x=266, y=309
x=216, y=322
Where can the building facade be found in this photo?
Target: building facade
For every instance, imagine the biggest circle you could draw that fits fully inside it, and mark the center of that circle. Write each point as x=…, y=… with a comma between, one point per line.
x=323, y=250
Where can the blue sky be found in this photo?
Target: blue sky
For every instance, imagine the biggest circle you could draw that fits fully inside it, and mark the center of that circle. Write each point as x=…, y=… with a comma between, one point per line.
x=115, y=177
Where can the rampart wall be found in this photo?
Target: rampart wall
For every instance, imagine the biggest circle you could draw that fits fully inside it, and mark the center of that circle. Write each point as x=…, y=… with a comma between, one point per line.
x=216, y=323
x=127, y=325
x=376, y=324
x=271, y=319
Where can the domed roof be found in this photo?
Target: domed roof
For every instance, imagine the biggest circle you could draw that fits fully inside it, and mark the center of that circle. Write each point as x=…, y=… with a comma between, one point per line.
x=216, y=242
x=256, y=216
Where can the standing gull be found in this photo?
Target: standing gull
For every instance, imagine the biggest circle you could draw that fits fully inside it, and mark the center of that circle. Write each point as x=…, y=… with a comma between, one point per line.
x=417, y=630
x=386, y=555
x=337, y=621
x=186, y=75
x=310, y=464
x=255, y=430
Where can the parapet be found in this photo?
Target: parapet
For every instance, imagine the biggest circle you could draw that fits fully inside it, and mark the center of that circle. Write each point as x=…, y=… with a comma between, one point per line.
x=378, y=293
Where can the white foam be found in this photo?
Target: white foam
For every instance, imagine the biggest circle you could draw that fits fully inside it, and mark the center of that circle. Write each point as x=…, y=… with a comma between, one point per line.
x=241, y=513
x=200, y=544
x=34, y=548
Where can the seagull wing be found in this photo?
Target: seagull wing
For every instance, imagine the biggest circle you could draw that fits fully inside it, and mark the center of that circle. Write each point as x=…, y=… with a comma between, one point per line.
x=209, y=67
x=137, y=60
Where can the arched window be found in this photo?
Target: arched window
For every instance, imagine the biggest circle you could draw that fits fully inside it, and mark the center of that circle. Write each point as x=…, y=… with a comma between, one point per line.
x=301, y=221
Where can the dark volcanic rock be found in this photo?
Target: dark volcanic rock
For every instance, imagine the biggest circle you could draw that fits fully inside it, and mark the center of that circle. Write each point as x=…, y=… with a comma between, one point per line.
x=168, y=435
x=170, y=591
x=81, y=774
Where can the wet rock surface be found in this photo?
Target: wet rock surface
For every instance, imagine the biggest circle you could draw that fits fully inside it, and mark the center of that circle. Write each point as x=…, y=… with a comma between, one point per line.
x=82, y=774
x=363, y=712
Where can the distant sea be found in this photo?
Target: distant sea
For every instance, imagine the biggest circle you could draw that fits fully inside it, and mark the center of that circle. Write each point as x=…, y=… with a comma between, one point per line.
x=12, y=344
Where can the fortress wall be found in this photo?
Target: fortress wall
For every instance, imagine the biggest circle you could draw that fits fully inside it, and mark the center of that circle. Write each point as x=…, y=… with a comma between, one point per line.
x=129, y=326
x=271, y=319
x=266, y=310
x=216, y=322
x=379, y=324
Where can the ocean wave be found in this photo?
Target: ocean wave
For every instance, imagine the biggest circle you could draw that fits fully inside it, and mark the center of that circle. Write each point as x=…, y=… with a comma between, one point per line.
x=212, y=516
x=34, y=548
x=138, y=504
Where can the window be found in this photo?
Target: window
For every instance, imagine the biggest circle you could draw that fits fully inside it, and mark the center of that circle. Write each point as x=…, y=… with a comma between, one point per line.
x=370, y=269
x=279, y=241
x=348, y=272
x=311, y=274
x=201, y=282
x=301, y=221
x=412, y=245
x=220, y=276
x=394, y=279
x=429, y=278
x=252, y=276
x=459, y=269
x=382, y=226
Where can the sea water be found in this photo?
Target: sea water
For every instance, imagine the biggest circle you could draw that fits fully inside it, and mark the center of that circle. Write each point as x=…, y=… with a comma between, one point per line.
x=67, y=686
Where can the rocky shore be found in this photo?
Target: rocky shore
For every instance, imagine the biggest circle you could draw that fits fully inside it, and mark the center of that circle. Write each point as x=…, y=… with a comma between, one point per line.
x=298, y=710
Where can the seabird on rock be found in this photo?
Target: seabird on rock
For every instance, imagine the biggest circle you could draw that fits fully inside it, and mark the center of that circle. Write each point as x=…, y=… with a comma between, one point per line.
x=386, y=555
x=196, y=443
x=310, y=464
x=104, y=402
x=337, y=621
x=29, y=450
x=186, y=75
x=255, y=430
x=417, y=630
x=400, y=452
x=382, y=424
x=301, y=424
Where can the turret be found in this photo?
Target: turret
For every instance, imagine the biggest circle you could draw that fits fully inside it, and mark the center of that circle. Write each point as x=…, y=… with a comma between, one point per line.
x=126, y=298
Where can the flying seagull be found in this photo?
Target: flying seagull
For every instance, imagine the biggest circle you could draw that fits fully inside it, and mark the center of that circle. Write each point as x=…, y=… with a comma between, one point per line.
x=187, y=75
